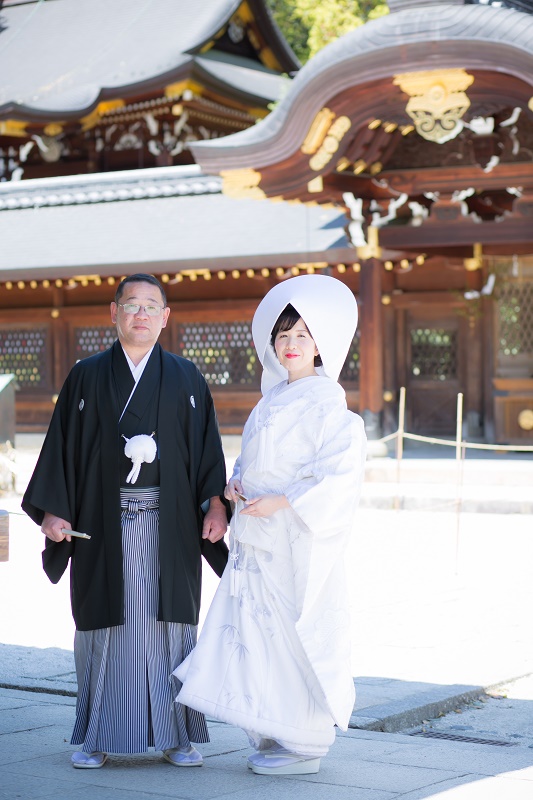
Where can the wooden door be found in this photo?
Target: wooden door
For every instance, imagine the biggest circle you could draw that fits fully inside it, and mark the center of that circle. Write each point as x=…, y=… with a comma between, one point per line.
x=434, y=371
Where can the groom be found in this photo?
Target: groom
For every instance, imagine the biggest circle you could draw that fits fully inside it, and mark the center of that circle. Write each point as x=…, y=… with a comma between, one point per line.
x=135, y=583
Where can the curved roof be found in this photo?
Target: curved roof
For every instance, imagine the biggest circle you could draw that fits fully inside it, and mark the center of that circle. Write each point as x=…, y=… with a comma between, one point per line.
x=472, y=37
x=59, y=59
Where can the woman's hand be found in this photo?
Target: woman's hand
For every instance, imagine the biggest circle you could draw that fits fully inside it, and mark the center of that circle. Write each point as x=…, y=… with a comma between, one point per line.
x=233, y=489
x=265, y=505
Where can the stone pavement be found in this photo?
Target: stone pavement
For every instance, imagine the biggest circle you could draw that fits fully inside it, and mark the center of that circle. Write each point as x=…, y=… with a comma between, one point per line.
x=362, y=765
x=441, y=607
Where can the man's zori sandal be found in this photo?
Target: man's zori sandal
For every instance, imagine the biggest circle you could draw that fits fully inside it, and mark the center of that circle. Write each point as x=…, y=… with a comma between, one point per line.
x=82, y=760
x=282, y=762
x=183, y=757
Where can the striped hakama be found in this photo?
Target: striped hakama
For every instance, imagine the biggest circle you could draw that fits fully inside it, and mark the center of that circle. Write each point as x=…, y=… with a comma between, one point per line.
x=125, y=689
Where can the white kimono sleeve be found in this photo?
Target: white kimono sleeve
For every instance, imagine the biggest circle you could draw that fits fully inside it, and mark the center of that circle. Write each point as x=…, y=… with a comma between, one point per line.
x=325, y=492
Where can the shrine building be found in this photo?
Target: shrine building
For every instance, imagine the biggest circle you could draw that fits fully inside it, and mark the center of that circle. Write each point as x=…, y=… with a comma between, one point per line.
x=399, y=159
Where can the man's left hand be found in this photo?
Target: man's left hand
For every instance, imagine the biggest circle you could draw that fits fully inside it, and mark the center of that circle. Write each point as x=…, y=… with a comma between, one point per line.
x=215, y=521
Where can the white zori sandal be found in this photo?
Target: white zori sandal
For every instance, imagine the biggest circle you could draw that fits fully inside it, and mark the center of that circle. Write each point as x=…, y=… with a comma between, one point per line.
x=282, y=762
x=82, y=760
x=183, y=757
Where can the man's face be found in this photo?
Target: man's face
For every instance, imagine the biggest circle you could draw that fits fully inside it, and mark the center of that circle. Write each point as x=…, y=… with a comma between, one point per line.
x=140, y=329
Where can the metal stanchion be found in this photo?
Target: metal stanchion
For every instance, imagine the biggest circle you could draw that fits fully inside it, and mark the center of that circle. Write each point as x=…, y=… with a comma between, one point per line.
x=459, y=460
x=460, y=451
x=399, y=445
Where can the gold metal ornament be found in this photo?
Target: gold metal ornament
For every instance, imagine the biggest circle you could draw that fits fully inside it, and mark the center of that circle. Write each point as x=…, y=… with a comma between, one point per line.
x=316, y=185
x=242, y=183
x=13, y=127
x=53, y=129
x=329, y=138
x=525, y=419
x=317, y=132
x=371, y=249
x=476, y=262
x=438, y=101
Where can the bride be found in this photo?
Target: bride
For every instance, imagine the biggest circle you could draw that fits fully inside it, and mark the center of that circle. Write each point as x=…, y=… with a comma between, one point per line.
x=274, y=654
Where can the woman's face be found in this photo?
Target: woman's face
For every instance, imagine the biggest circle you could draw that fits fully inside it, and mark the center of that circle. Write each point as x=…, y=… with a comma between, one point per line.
x=296, y=351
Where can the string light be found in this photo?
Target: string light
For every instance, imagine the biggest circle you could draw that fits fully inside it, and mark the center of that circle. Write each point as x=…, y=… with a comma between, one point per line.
x=404, y=263
x=178, y=277
x=265, y=272
x=341, y=268
x=250, y=273
x=235, y=274
x=310, y=270
x=193, y=276
x=295, y=271
x=389, y=266
x=386, y=299
x=420, y=260
x=280, y=272
x=84, y=281
x=356, y=267
x=221, y=275
x=207, y=276
x=54, y=313
x=165, y=278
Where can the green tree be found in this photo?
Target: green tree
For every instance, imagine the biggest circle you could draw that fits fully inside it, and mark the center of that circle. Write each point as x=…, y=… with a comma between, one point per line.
x=292, y=26
x=309, y=25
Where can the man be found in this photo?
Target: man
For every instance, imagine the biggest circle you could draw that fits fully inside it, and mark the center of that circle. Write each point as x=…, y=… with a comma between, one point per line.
x=132, y=455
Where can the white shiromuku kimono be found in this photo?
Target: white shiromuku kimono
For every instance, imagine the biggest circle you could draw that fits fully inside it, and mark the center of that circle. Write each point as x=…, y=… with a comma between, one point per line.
x=274, y=654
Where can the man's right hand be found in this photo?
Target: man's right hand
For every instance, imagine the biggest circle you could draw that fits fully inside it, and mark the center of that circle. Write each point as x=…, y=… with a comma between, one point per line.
x=52, y=527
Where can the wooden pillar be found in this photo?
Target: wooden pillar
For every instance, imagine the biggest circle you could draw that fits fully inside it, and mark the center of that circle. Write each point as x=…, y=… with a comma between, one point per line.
x=489, y=307
x=371, y=347
x=59, y=343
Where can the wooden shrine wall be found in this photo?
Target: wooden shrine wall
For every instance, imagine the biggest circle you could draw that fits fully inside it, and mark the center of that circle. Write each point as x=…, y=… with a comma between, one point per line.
x=434, y=343
x=40, y=350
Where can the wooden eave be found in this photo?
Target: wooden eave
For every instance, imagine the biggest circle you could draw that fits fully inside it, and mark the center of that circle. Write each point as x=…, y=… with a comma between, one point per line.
x=354, y=77
x=305, y=159
x=377, y=102
x=264, y=35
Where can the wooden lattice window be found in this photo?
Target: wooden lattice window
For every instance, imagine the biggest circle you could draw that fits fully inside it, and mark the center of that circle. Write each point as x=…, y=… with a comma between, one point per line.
x=350, y=371
x=433, y=354
x=515, y=329
x=89, y=340
x=222, y=351
x=23, y=353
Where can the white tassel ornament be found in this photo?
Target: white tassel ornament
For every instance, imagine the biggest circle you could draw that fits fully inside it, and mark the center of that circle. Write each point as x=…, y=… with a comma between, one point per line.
x=141, y=449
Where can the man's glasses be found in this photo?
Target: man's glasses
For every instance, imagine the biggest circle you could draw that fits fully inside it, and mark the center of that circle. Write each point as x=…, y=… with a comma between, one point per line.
x=134, y=308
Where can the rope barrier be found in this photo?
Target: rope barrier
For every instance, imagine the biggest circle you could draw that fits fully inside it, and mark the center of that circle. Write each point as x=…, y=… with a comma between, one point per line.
x=460, y=450
x=401, y=433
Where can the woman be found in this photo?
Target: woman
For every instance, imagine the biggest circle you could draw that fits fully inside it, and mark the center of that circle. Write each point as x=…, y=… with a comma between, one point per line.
x=274, y=654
